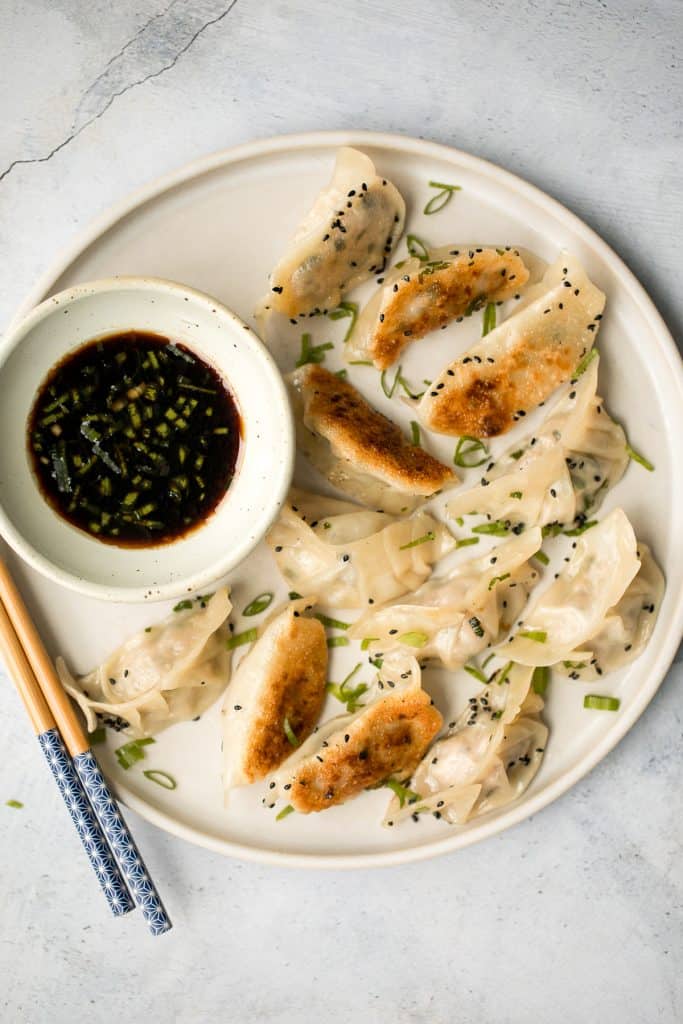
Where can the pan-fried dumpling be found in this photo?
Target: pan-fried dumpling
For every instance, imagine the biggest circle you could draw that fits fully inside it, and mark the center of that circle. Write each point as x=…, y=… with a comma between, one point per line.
x=626, y=628
x=420, y=296
x=352, y=557
x=345, y=238
x=559, y=625
x=559, y=474
x=163, y=674
x=487, y=760
x=456, y=616
x=519, y=364
x=358, y=449
x=384, y=738
x=281, y=679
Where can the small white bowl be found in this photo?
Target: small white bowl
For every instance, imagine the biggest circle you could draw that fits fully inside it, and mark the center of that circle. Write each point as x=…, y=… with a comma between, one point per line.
x=72, y=557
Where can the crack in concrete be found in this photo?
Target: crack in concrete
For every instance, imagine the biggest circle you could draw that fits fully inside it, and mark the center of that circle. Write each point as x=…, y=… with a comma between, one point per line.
x=131, y=85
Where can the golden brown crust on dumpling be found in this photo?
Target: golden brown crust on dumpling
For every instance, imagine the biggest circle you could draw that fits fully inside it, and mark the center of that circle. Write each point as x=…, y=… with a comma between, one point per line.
x=448, y=292
x=390, y=738
x=335, y=410
x=486, y=399
x=296, y=691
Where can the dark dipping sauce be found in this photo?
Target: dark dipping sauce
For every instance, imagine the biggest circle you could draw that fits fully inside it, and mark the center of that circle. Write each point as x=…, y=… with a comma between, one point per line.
x=134, y=439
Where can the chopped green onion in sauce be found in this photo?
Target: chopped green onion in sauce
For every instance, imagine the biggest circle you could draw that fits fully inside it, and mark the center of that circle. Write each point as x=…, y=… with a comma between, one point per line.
x=470, y=452
x=259, y=604
x=597, y=703
x=162, y=779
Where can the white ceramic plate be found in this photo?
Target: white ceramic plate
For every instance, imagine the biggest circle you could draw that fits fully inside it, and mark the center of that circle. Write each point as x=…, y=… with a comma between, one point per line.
x=219, y=225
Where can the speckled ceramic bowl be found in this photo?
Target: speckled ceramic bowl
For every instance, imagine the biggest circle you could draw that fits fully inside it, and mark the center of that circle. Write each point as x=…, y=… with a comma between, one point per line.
x=71, y=556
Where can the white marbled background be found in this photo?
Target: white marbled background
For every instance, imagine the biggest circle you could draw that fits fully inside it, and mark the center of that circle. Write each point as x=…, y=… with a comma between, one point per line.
x=574, y=916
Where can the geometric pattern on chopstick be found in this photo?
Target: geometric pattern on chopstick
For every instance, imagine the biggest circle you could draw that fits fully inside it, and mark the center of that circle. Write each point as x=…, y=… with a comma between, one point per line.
x=122, y=843
x=85, y=820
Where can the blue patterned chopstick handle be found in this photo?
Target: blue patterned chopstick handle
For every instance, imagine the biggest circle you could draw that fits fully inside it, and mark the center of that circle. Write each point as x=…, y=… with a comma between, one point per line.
x=122, y=843
x=87, y=825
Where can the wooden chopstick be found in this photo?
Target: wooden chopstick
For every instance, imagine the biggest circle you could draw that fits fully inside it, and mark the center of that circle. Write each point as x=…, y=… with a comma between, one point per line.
x=84, y=762
x=82, y=814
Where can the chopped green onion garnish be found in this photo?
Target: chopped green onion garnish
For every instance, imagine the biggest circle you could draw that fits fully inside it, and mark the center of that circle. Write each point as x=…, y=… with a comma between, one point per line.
x=332, y=623
x=293, y=596
x=338, y=641
x=183, y=605
x=416, y=247
x=130, y=753
x=402, y=792
x=489, y=319
x=389, y=391
x=585, y=363
x=551, y=530
x=346, y=309
x=361, y=362
x=312, y=353
x=517, y=455
x=289, y=733
x=430, y=535
x=346, y=694
x=413, y=639
x=574, y=664
x=640, y=459
x=538, y=635
x=581, y=529
x=239, y=639
x=342, y=374
x=596, y=703
x=539, y=679
x=476, y=672
x=494, y=528
x=486, y=660
x=162, y=779
x=442, y=197
x=259, y=604
x=516, y=494
x=284, y=812
x=503, y=672
x=542, y=557
x=97, y=735
x=465, y=542
x=498, y=579
x=415, y=433
x=468, y=452
x=14, y=803
x=377, y=662
x=365, y=643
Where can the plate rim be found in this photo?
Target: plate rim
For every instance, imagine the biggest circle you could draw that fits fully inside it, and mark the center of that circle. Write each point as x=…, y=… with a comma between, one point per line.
x=203, y=165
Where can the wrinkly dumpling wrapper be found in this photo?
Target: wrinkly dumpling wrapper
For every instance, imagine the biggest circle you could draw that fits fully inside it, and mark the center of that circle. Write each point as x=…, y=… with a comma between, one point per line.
x=281, y=678
x=359, y=450
x=488, y=759
x=599, y=586
x=420, y=296
x=384, y=738
x=521, y=362
x=559, y=474
x=346, y=237
x=352, y=557
x=456, y=616
x=171, y=673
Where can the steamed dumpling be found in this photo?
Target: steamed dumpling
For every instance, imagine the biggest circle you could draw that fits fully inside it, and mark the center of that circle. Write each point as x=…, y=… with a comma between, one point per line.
x=358, y=449
x=456, y=616
x=626, y=628
x=350, y=753
x=521, y=362
x=282, y=678
x=489, y=757
x=164, y=674
x=352, y=557
x=560, y=625
x=421, y=296
x=560, y=473
x=345, y=238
